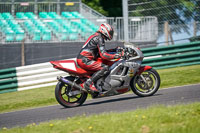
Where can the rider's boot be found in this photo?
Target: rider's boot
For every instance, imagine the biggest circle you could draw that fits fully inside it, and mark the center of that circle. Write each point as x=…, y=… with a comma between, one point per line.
x=89, y=84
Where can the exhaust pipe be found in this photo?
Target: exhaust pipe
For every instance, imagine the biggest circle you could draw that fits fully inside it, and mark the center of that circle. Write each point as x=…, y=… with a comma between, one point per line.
x=68, y=82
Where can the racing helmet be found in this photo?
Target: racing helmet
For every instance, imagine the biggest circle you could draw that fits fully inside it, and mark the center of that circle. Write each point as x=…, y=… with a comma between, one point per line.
x=106, y=30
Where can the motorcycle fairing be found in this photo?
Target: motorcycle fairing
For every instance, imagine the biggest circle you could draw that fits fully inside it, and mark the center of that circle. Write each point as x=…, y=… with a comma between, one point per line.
x=123, y=90
x=71, y=67
x=143, y=68
x=118, y=80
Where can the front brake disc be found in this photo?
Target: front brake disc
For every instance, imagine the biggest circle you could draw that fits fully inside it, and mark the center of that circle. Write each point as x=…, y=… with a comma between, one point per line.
x=148, y=84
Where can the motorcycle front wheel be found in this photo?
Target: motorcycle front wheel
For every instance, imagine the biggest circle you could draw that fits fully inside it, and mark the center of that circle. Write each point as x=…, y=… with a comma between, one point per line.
x=62, y=94
x=146, y=84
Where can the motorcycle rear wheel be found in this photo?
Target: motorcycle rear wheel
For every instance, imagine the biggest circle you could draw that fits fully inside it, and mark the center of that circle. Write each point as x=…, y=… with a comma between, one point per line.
x=61, y=94
x=142, y=89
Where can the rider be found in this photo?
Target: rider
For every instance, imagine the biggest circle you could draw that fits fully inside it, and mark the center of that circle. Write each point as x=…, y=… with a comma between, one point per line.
x=93, y=48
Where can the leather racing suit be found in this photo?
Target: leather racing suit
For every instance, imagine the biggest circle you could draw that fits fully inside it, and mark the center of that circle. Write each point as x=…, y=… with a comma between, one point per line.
x=94, y=48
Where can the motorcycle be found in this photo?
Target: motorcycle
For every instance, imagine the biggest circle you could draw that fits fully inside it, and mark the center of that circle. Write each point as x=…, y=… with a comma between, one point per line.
x=125, y=74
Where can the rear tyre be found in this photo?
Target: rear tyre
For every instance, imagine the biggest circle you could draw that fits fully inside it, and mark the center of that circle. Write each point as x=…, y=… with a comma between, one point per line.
x=148, y=88
x=62, y=94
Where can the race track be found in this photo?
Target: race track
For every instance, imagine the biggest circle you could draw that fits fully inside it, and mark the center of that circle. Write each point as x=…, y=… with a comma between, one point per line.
x=120, y=103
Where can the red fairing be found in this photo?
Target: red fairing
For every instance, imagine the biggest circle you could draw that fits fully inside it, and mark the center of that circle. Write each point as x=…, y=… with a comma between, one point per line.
x=144, y=68
x=71, y=67
x=123, y=90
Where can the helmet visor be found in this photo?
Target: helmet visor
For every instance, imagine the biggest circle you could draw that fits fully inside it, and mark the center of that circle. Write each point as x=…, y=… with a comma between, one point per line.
x=111, y=33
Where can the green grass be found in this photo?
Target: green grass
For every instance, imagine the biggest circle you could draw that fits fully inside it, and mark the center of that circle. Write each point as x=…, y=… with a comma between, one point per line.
x=180, y=76
x=27, y=99
x=157, y=119
x=45, y=96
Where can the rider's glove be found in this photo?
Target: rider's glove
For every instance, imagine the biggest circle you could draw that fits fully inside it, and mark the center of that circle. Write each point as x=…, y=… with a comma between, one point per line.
x=119, y=49
x=119, y=55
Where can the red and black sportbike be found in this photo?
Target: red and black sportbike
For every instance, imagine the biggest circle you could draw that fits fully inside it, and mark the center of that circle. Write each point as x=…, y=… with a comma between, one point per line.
x=125, y=74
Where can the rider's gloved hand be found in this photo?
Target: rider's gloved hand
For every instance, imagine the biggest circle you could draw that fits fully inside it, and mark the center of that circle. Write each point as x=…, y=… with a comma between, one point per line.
x=122, y=53
x=119, y=55
x=119, y=49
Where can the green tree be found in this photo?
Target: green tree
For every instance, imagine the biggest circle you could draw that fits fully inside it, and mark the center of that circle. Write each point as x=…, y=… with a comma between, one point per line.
x=113, y=7
x=109, y=8
x=96, y=5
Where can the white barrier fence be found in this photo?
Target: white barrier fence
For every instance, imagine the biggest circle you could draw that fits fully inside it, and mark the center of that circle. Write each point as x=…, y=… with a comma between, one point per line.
x=36, y=76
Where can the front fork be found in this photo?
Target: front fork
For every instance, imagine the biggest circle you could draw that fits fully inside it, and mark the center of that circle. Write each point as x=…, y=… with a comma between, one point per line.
x=141, y=70
x=143, y=79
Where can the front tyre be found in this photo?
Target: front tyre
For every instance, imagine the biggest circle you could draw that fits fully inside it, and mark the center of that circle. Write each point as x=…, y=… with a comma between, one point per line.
x=63, y=94
x=146, y=84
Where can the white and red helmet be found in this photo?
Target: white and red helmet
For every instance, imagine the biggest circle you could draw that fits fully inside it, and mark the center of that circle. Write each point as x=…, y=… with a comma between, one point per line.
x=106, y=30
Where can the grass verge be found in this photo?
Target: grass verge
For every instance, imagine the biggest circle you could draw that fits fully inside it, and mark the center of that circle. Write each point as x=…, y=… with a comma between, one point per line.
x=180, y=76
x=157, y=119
x=45, y=96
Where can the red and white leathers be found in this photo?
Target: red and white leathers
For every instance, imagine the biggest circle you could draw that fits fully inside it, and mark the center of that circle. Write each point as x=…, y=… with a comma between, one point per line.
x=94, y=48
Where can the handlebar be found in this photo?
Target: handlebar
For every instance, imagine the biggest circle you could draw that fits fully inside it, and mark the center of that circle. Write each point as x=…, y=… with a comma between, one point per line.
x=128, y=52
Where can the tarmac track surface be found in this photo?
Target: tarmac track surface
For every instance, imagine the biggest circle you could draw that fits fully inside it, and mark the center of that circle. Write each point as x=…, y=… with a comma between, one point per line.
x=119, y=103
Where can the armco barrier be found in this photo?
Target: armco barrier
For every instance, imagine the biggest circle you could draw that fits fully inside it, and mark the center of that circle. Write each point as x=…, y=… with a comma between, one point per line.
x=28, y=77
x=8, y=80
x=41, y=75
x=173, y=56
